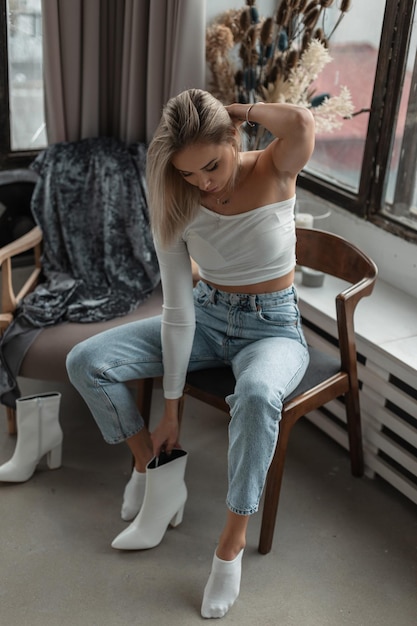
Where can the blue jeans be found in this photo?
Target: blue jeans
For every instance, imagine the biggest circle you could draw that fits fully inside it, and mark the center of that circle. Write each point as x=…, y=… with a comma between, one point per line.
x=259, y=336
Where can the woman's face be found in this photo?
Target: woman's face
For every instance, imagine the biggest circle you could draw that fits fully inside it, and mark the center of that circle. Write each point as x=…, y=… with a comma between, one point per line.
x=209, y=167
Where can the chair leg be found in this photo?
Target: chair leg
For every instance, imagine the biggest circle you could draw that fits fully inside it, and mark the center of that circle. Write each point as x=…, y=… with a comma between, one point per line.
x=144, y=398
x=11, y=421
x=144, y=388
x=353, y=418
x=273, y=490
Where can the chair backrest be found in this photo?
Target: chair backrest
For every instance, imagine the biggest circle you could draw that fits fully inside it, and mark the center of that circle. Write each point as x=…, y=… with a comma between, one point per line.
x=334, y=255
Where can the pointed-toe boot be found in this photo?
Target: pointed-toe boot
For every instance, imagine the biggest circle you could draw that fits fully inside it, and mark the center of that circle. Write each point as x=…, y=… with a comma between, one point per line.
x=38, y=433
x=163, y=503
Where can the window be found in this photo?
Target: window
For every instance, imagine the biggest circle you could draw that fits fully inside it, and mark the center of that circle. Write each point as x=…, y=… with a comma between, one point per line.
x=369, y=166
x=353, y=47
x=401, y=195
x=21, y=77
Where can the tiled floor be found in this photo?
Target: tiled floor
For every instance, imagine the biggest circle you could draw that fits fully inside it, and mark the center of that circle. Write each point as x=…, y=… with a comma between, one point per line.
x=345, y=549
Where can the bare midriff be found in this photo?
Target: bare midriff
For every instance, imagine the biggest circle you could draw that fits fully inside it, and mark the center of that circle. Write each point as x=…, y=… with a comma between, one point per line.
x=267, y=286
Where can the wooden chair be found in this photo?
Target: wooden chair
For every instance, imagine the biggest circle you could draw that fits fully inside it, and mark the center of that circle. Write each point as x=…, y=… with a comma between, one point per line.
x=326, y=378
x=16, y=188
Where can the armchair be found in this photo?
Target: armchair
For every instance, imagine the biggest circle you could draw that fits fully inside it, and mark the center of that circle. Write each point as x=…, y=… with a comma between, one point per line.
x=94, y=265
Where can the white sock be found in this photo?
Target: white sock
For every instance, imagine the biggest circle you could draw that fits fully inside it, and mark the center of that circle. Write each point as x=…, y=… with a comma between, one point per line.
x=222, y=587
x=133, y=495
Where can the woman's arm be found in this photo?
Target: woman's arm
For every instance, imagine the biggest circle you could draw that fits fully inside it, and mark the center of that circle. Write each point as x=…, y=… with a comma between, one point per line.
x=292, y=125
x=177, y=333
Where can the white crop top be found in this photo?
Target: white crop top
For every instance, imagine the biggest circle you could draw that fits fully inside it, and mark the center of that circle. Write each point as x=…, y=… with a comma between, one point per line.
x=238, y=249
x=246, y=248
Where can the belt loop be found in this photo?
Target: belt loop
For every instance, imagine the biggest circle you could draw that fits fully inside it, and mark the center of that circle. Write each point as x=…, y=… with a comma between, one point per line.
x=213, y=296
x=252, y=300
x=295, y=294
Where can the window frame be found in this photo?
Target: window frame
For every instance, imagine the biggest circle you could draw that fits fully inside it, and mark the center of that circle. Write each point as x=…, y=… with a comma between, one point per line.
x=8, y=159
x=386, y=98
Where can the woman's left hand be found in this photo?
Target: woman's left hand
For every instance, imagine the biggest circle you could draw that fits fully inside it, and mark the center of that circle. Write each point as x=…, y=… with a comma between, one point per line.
x=165, y=435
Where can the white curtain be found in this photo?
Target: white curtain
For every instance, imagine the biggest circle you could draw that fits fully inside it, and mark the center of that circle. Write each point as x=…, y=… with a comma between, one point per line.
x=110, y=65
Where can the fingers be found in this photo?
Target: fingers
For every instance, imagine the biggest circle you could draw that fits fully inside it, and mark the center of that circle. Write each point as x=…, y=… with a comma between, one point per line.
x=236, y=121
x=164, y=446
x=165, y=436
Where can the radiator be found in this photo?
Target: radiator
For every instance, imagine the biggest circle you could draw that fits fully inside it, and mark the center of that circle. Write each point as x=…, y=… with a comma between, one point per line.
x=388, y=399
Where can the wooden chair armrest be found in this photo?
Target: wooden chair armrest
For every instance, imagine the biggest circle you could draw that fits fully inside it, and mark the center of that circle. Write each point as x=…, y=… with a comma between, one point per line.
x=24, y=243
x=5, y=320
x=346, y=302
x=9, y=299
x=359, y=290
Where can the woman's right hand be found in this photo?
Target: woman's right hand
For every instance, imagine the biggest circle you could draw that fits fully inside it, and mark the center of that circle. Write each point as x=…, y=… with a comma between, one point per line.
x=237, y=113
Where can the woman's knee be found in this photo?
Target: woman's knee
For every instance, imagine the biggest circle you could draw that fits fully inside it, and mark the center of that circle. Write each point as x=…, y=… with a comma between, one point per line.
x=80, y=361
x=256, y=398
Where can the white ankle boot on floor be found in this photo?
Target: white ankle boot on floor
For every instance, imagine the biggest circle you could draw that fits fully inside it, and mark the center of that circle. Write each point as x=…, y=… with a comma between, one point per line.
x=163, y=503
x=38, y=433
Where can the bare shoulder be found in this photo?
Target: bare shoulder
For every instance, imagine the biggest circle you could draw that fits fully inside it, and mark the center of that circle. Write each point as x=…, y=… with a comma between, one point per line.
x=264, y=179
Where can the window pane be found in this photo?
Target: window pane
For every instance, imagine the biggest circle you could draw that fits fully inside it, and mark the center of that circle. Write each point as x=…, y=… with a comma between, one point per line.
x=27, y=120
x=354, y=50
x=401, y=195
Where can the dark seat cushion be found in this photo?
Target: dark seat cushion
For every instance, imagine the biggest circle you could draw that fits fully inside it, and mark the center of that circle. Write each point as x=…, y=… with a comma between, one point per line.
x=220, y=381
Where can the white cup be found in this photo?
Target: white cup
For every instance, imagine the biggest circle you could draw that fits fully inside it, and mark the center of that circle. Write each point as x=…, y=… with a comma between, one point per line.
x=304, y=220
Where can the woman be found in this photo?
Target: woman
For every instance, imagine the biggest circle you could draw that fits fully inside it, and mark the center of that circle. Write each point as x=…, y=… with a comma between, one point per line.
x=233, y=213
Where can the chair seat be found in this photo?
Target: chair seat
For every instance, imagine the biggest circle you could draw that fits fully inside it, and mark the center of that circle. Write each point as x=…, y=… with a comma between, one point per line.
x=221, y=381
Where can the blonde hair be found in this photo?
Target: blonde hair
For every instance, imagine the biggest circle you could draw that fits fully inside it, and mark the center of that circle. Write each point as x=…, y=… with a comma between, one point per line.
x=194, y=116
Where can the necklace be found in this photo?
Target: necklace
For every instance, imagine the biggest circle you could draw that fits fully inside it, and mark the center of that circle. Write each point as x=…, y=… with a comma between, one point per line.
x=221, y=201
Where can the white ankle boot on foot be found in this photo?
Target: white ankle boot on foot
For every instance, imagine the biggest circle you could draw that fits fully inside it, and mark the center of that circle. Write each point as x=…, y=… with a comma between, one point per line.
x=38, y=433
x=133, y=495
x=163, y=504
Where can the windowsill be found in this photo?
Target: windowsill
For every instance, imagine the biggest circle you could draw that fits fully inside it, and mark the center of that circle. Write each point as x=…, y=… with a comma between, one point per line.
x=386, y=321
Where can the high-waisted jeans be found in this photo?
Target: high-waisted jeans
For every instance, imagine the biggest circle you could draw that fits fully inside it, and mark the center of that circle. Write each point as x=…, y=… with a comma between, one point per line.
x=259, y=336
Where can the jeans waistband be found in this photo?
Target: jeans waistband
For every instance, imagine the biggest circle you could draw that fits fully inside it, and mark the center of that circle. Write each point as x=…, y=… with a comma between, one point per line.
x=248, y=299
